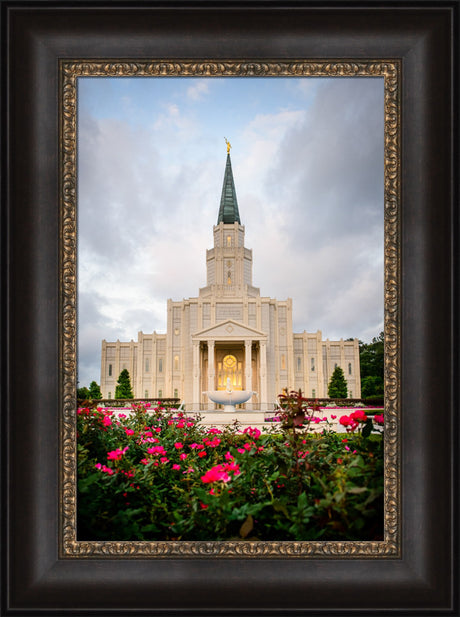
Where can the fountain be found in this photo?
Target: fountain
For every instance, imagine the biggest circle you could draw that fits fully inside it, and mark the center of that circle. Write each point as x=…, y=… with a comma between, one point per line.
x=229, y=398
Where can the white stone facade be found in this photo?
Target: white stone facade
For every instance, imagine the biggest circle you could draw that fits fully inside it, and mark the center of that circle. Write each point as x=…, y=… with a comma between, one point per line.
x=229, y=330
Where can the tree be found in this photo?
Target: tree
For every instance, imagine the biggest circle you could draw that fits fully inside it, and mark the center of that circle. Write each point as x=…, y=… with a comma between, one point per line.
x=94, y=391
x=338, y=387
x=123, y=388
x=83, y=394
x=371, y=359
x=371, y=386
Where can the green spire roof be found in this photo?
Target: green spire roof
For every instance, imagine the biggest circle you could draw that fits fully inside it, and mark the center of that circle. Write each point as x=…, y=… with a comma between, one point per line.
x=228, y=211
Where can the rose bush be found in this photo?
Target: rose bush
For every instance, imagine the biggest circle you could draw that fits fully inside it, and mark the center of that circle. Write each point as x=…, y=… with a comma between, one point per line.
x=158, y=475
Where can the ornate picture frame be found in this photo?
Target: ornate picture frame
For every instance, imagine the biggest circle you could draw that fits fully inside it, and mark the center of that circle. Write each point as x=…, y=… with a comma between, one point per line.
x=70, y=71
x=48, y=569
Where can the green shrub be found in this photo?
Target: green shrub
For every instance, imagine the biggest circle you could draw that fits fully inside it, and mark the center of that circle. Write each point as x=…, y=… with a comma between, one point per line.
x=156, y=476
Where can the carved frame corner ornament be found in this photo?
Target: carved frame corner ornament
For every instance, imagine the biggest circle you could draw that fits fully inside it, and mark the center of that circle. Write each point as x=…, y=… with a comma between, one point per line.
x=69, y=72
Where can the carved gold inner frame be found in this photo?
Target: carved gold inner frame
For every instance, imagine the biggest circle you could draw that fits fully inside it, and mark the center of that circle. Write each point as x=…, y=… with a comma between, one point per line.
x=70, y=70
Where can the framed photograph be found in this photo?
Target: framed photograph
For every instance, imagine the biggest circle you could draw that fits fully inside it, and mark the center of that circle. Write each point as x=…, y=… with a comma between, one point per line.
x=53, y=58
x=231, y=341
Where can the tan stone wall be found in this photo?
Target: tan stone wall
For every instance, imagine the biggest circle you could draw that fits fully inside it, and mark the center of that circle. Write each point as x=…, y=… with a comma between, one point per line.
x=229, y=311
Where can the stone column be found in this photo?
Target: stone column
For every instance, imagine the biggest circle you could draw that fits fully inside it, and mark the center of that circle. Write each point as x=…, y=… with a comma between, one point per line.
x=211, y=371
x=196, y=376
x=248, y=368
x=263, y=375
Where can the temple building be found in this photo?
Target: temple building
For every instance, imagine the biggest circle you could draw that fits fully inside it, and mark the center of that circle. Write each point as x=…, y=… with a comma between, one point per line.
x=229, y=331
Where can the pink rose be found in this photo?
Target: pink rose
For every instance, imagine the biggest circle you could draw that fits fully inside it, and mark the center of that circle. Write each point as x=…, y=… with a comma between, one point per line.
x=359, y=416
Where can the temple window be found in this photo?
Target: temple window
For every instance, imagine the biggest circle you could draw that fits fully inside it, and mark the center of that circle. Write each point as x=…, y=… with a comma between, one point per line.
x=176, y=363
x=349, y=368
x=299, y=363
x=312, y=364
x=146, y=394
x=160, y=365
x=283, y=362
x=147, y=365
x=229, y=240
x=160, y=393
x=110, y=371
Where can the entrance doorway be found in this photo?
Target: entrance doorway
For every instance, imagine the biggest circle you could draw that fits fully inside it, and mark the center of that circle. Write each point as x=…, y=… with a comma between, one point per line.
x=230, y=365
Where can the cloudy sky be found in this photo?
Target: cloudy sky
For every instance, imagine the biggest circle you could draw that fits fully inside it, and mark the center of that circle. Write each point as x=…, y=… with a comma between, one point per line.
x=307, y=157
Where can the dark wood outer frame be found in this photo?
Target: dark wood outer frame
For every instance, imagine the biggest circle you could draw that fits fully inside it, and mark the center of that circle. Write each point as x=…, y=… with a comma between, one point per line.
x=36, y=35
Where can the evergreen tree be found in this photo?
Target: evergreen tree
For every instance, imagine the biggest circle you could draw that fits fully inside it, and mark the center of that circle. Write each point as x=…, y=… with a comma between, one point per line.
x=337, y=387
x=94, y=391
x=123, y=388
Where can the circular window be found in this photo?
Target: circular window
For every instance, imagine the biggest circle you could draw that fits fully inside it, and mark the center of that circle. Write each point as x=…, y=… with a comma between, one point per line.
x=229, y=362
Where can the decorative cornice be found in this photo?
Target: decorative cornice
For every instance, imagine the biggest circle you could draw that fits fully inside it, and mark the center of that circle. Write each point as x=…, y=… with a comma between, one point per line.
x=70, y=70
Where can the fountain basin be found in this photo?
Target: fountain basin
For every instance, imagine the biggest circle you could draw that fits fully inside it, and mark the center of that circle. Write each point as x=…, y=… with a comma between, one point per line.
x=229, y=399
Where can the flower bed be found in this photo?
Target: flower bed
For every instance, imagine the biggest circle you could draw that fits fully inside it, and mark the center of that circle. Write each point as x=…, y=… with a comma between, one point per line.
x=156, y=475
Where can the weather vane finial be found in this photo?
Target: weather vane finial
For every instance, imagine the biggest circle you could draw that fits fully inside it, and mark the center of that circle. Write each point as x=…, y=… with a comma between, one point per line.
x=228, y=145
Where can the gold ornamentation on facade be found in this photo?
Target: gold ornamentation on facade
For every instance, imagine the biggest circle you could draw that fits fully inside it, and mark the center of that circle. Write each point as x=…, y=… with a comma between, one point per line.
x=70, y=70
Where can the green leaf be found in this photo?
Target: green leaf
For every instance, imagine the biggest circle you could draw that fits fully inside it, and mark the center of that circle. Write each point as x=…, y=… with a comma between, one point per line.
x=302, y=501
x=279, y=506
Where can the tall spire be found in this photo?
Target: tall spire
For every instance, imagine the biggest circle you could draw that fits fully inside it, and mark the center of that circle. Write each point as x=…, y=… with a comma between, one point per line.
x=228, y=211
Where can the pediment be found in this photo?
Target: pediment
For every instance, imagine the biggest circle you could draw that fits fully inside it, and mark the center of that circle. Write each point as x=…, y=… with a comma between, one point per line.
x=229, y=330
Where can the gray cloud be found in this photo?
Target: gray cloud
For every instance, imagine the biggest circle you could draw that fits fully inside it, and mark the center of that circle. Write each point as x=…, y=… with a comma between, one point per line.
x=310, y=190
